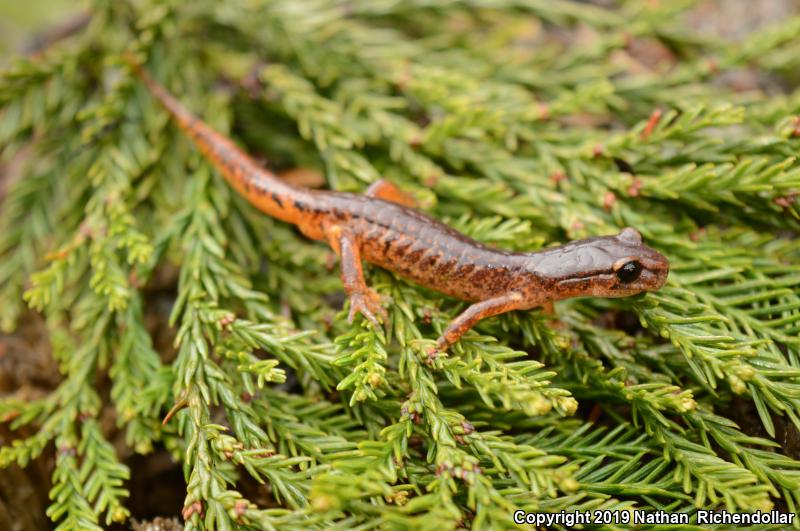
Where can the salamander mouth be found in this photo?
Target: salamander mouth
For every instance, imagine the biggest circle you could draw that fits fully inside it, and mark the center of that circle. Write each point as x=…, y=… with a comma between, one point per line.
x=583, y=278
x=607, y=284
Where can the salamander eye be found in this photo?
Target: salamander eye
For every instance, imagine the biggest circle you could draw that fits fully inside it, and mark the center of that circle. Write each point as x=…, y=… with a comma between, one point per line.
x=629, y=271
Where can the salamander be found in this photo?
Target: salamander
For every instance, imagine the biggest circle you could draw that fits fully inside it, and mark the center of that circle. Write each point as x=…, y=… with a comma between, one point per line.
x=383, y=228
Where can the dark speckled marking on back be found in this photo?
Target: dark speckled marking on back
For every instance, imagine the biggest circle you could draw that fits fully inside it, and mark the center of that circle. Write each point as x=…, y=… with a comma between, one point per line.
x=425, y=250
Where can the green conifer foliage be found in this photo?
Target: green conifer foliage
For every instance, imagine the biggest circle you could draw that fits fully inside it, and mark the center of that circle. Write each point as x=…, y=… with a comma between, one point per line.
x=522, y=124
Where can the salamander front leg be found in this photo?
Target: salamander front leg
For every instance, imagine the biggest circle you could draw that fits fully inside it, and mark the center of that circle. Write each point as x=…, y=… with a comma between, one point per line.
x=363, y=299
x=388, y=191
x=470, y=317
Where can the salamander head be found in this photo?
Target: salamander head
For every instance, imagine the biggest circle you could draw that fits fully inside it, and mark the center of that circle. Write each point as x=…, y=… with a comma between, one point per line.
x=605, y=266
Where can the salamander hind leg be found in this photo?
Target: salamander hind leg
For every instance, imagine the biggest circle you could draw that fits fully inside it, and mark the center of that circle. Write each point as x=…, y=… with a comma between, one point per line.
x=470, y=317
x=363, y=299
x=388, y=191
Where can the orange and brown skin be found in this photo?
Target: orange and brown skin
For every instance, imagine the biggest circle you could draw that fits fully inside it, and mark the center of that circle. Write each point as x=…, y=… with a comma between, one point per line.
x=383, y=228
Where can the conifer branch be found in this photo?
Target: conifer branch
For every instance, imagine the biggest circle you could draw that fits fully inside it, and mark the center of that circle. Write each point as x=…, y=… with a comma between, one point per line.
x=607, y=404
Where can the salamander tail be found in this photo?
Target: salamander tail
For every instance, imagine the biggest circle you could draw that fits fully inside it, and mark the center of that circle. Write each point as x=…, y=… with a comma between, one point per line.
x=173, y=106
x=260, y=186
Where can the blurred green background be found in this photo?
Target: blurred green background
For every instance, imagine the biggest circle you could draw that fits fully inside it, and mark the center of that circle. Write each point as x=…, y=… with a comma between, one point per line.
x=20, y=22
